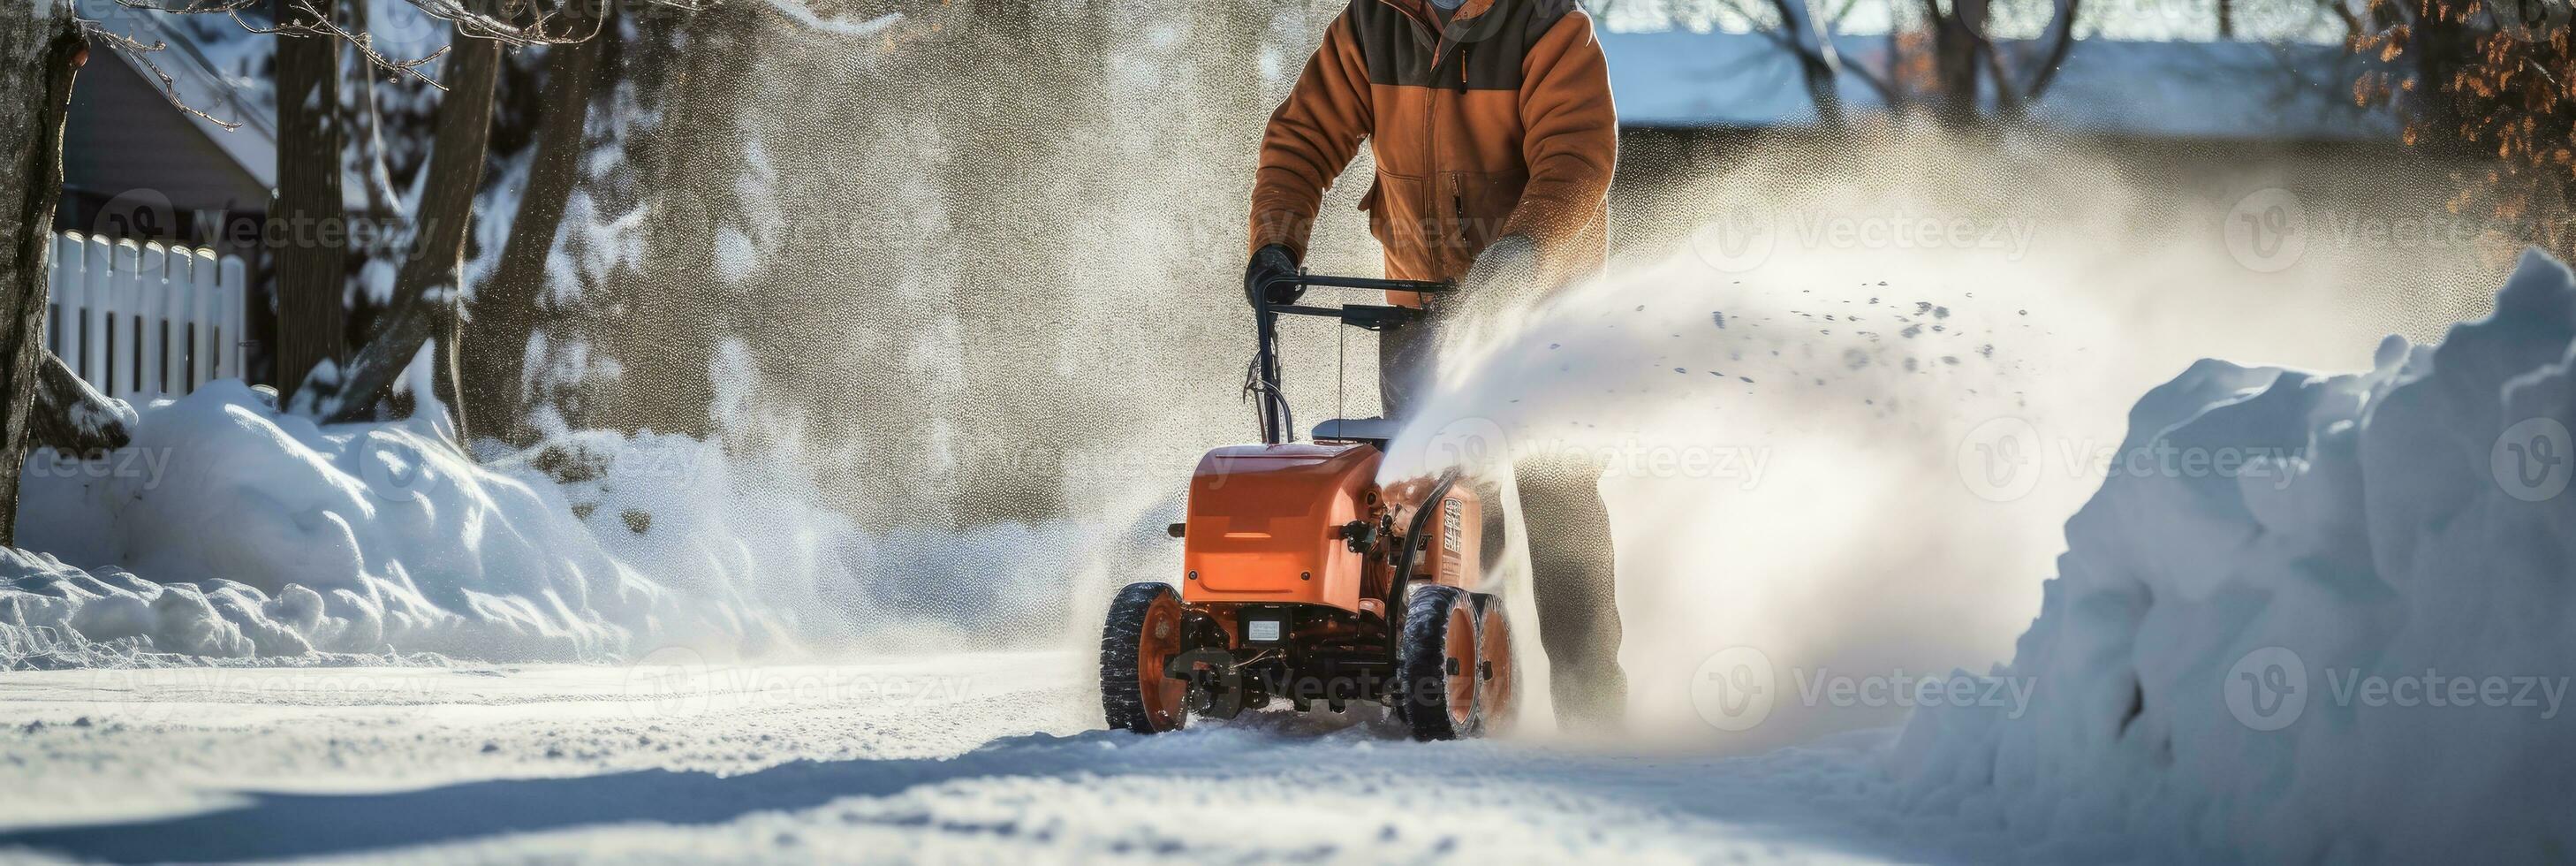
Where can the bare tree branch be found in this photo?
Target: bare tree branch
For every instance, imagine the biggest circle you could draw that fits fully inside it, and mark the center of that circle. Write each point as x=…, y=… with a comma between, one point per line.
x=545, y=26
x=317, y=22
x=378, y=179
x=141, y=53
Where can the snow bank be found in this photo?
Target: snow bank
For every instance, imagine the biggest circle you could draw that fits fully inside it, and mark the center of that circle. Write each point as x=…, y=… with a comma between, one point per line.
x=2352, y=645
x=231, y=530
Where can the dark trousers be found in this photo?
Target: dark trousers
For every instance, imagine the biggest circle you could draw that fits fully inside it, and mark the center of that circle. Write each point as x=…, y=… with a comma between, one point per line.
x=1571, y=561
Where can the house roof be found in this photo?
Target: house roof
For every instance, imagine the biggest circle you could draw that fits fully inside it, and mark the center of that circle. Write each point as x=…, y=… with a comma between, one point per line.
x=201, y=83
x=2206, y=90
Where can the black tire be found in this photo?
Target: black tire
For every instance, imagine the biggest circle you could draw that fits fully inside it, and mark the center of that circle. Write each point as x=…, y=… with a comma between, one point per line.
x=1438, y=679
x=1145, y=619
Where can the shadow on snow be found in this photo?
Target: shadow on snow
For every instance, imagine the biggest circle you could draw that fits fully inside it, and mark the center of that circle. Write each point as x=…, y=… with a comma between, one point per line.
x=282, y=825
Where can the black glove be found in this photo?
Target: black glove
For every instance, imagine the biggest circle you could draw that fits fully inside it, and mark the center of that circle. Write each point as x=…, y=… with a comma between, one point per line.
x=1272, y=262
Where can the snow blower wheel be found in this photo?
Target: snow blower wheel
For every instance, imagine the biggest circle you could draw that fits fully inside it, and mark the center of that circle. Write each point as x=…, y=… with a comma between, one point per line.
x=1143, y=635
x=1436, y=662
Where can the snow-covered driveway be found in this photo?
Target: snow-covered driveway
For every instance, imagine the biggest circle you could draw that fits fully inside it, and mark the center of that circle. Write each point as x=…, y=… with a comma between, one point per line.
x=970, y=757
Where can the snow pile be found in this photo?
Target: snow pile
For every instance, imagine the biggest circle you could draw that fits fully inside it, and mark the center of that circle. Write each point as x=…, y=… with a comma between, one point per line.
x=2349, y=642
x=231, y=530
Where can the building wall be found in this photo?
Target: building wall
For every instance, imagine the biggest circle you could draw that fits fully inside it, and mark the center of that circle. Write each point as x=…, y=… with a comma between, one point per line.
x=134, y=167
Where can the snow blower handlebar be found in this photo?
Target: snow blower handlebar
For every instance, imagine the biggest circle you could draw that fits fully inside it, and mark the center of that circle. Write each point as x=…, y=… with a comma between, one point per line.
x=1262, y=381
x=1367, y=317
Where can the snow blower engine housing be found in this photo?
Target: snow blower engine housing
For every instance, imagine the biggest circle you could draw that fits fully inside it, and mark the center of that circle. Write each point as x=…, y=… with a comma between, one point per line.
x=1307, y=579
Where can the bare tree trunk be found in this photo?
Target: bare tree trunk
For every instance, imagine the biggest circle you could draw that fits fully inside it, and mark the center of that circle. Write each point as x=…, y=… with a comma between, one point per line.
x=2061, y=41
x=1817, y=61
x=1958, y=48
x=426, y=290
x=40, y=48
x=505, y=309
x=312, y=268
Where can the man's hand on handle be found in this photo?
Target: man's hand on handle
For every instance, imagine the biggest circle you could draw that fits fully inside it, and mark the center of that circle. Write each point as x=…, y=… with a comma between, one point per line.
x=1271, y=262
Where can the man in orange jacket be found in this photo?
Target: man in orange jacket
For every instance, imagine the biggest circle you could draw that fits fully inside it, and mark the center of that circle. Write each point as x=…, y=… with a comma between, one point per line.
x=1494, y=138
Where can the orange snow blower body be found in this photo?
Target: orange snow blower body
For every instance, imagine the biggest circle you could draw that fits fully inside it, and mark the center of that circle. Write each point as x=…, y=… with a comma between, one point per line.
x=1272, y=524
x=1308, y=579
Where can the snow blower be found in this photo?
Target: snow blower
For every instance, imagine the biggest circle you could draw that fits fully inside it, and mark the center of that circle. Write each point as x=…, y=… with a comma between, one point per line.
x=1307, y=580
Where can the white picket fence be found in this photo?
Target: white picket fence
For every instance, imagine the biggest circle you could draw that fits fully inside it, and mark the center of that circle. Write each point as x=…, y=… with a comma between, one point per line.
x=144, y=320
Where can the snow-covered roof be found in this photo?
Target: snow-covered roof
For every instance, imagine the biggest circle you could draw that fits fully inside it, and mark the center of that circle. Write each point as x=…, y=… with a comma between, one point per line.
x=197, y=69
x=2221, y=90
